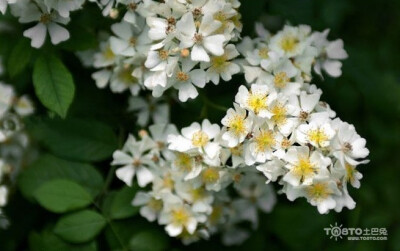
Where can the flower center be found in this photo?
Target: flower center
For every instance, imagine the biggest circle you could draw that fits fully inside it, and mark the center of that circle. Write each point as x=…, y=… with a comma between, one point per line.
x=289, y=43
x=198, y=38
x=303, y=116
x=304, y=168
x=219, y=63
x=155, y=204
x=183, y=162
x=200, y=139
x=279, y=112
x=281, y=79
x=317, y=136
x=45, y=18
x=257, y=102
x=237, y=125
x=181, y=76
x=163, y=54
x=126, y=76
x=350, y=171
x=132, y=41
x=180, y=216
x=347, y=147
x=136, y=162
x=319, y=191
x=210, y=176
x=263, y=53
x=265, y=140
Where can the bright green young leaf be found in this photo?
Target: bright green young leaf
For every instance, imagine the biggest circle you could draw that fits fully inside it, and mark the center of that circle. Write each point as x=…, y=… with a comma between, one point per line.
x=60, y=196
x=20, y=56
x=80, y=227
x=121, y=206
x=149, y=240
x=75, y=139
x=54, y=85
x=48, y=167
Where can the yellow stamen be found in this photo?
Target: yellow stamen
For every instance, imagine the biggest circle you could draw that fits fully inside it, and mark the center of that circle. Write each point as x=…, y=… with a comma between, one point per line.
x=200, y=139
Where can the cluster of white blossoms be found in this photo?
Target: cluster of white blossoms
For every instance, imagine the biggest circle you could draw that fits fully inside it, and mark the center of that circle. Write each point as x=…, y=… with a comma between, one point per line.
x=12, y=139
x=189, y=178
x=170, y=44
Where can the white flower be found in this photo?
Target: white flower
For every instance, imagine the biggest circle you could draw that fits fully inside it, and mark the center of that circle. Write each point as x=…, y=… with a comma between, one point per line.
x=200, y=199
x=151, y=108
x=317, y=133
x=6, y=98
x=283, y=115
x=184, y=79
x=348, y=146
x=24, y=106
x=321, y=194
x=197, y=137
x=135, y=161
x=203, y=41
x=129, y=40
x=261, y=145
x=150, y=206
x=330, y=54
x=304, y=166
x=126, y=77
x=48, y=21
x=291, y=41
x=238, y=126
x=257, y=100
x=222, y=66
x=178, y=217
x=304, y=106
x=3, y=195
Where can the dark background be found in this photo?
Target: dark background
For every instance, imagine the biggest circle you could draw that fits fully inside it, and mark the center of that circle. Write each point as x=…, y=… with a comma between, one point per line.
x=366, y=95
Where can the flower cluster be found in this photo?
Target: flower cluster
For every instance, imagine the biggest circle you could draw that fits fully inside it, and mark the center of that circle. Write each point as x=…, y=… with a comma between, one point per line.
x=173, y=43
x=12, y=140
x=189, y=179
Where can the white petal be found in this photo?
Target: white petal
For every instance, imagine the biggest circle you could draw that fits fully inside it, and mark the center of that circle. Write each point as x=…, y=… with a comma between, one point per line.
x=57, y=33
x=199, y=54
x=174, y=230
x=144, y=176
x=37, y=34
x=215, y=44
x=126, y=174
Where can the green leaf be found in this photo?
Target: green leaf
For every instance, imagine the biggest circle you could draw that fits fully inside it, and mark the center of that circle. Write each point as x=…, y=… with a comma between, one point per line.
x=60, y=196
x=19, y=57
x=48, y=241
x=75, y=139
x=54, y=85
x=48, y=167
x=80, y=227
x=150, y=240
x=121, y=206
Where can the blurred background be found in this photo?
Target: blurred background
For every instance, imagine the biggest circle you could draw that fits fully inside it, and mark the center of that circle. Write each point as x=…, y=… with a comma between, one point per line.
x=366, y=95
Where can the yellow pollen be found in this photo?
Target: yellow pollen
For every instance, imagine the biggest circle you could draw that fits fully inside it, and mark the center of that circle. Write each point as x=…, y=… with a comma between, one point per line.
x=183, y=77
x=183, y=162
x=221, y=17
x=317, y=136
x=304, y=169
x=281, y=79
x=108, y=54
x=263, y=53
x=125, y=75
x=237, y=150
x=289, y=43
x=350, y=171
x=168, y=182
x=132, y=41
x=180, y=216
x=285, y=143
x=319, y=191
x=265, y=140
x=200, y=139
x=219, y=63
x=155, y=204
x=198, y=193
x=279, y=112
x=257, y=102
x=237, y=125
x=45, y=18
x=163, y=54
x=210, y=176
